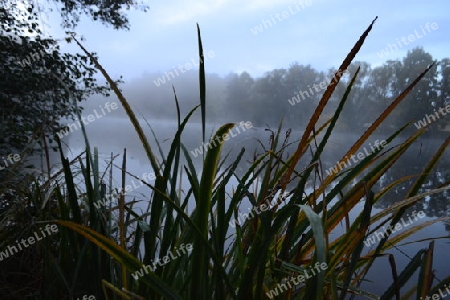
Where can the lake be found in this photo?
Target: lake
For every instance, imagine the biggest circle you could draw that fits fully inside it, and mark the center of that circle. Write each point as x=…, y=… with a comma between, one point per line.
x=112, y=135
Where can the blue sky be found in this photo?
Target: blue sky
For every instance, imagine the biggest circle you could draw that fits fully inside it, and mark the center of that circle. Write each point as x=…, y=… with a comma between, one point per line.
x=320, y=34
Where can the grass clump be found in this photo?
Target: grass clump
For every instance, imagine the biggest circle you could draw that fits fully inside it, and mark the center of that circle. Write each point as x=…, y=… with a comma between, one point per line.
x=100, y=248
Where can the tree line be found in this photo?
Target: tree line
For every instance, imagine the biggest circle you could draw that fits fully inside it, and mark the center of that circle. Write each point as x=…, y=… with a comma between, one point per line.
x=293, y=93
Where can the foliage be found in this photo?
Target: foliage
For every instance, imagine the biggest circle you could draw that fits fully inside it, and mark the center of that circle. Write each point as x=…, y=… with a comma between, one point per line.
x=39, y=84
x=110, y=243
x=269, y=95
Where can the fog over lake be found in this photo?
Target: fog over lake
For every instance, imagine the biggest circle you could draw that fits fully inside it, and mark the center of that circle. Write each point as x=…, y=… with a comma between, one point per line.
x=232, y=149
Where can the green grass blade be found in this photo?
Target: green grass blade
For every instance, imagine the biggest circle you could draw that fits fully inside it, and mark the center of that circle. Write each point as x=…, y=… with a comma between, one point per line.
x=128, y=110
x=321, y=250
x=199, y=257
x=426, y=273
x=202, y=81
x=409, y=270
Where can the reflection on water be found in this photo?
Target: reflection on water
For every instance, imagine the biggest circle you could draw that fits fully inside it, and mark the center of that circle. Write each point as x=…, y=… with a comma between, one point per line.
x=113, y=135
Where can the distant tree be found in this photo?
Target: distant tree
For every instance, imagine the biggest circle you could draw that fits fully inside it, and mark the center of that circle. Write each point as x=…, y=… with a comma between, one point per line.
x=293, y=93
x=444, y=87
x=269, y=97
x=304, y=91
x=444, y=84
x=359, y=107
x=420, y=101
x=216, y=91
x=238, y=94
x=380, y=84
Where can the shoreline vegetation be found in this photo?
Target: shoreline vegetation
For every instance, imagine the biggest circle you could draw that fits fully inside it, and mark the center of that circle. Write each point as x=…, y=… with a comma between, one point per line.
x=49, y=229
x=160, y=262
x=288, y=251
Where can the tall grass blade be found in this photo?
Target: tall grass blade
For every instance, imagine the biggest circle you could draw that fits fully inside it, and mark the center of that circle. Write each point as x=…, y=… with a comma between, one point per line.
x=323, y=101
x=128, y=110
x=321, y=251
x=426, y=273
x=202, y=82
x=199, y=257
x=409, y=270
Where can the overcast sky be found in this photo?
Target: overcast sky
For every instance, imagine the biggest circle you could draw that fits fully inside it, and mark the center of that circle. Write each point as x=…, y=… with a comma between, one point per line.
x=316, y=32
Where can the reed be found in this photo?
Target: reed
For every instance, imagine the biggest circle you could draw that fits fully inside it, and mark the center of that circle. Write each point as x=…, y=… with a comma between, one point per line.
x=98, y=249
